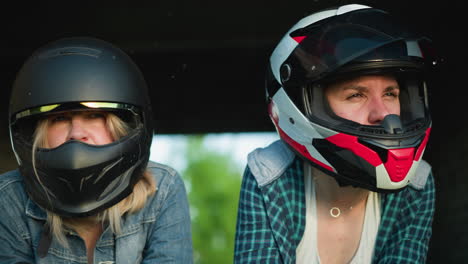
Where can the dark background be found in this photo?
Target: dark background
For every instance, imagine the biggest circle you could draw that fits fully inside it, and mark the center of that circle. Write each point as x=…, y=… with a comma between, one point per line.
x=205, y=60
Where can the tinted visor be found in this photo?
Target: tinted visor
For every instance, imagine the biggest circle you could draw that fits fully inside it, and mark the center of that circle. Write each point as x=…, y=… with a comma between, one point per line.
x=326, y=46
x=54, y=108
x=23, y=124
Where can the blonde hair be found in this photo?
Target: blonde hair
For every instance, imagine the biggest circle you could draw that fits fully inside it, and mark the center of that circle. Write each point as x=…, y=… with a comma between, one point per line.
x=145, y=187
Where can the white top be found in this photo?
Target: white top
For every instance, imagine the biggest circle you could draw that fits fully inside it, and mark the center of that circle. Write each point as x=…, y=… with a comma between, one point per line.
x=307, y=251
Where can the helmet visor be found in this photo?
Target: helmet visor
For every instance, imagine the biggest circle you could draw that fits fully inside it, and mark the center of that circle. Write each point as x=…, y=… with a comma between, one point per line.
x=326, y=46
x=405, y=114
x=54, y=108
x=23, y=124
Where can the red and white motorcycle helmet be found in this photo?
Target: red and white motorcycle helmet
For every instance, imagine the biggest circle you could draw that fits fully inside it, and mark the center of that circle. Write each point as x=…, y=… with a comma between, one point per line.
x=346, y=42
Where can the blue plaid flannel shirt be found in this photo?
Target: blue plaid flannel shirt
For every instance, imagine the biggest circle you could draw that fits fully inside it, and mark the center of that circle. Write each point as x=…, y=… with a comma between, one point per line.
x=271, y=214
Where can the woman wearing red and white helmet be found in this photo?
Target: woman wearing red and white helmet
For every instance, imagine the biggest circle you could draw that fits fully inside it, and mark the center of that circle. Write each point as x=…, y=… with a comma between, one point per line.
x=346, y=183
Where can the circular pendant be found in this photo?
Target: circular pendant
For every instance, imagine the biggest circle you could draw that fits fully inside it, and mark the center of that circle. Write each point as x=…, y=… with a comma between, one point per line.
x=335, y=212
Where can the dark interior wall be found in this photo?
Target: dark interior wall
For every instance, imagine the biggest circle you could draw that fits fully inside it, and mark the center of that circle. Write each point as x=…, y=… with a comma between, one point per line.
x=204, y=63
x=207, y=57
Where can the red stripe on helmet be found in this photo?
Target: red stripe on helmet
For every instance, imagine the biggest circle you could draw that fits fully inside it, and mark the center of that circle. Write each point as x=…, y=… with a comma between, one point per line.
x=398, y=163
x=272, y=113
x=301, y=149
x=298, y=147
x=421, y=147
x=299, y=38
x=351, y=143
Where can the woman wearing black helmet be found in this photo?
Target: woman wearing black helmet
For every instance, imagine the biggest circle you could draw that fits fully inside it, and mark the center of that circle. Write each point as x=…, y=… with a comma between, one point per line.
x=347, y=94
x=81, y=130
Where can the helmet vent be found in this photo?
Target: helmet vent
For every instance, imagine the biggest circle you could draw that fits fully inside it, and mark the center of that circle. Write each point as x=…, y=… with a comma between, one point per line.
x=285, y=72
x=392, y=124
x=373, y=130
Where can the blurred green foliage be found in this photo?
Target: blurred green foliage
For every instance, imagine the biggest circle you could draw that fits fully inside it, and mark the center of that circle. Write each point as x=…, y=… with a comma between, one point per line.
x=213, y=183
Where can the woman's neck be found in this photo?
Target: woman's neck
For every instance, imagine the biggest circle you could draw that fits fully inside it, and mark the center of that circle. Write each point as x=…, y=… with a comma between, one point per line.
x=329, y=193
x=340, y=214
x=90, y=230
x=90, y=236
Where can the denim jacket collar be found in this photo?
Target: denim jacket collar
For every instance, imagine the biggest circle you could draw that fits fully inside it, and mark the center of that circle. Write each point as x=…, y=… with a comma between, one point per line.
x=34, y=211
x=267, y=164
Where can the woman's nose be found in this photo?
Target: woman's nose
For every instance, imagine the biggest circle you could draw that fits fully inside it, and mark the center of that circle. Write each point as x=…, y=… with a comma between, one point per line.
x=77, y=130
x=377, y=112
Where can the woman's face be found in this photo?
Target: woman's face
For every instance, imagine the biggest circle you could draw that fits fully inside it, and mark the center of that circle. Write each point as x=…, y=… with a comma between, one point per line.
x=86, y=126
x=366, y=99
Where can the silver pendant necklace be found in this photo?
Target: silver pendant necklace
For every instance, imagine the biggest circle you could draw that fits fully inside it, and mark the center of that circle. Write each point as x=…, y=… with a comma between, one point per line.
x=335, y=212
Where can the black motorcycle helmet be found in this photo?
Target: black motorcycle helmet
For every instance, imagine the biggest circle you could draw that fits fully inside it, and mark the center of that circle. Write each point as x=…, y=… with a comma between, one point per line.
x=76, y=74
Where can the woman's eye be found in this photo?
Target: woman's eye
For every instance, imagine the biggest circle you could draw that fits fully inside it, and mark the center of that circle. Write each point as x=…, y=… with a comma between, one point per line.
x=392, y=94
x=355, y=95
x=95, y=115
x=59, y=118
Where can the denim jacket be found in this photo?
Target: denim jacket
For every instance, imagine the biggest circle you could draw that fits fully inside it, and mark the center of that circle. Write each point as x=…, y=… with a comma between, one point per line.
x=158, y=233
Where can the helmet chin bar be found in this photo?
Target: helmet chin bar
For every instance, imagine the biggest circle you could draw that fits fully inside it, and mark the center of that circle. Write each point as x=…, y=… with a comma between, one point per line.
x=393, y=168
x=77, y=179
